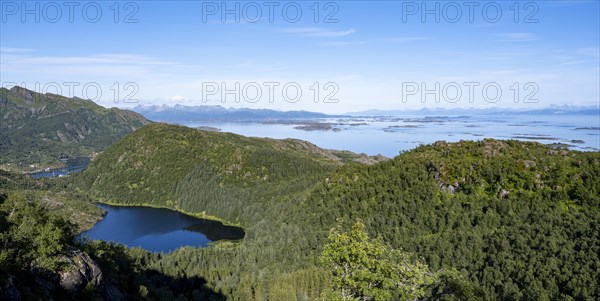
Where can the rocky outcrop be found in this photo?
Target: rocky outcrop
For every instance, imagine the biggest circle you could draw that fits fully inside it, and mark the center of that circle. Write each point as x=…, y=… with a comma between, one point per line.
x=447, y=188
x=336, y=155
x=79, y=272
x=78, y=278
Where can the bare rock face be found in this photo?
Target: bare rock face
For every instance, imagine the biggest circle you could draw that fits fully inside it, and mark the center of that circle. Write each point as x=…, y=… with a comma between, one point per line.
x=25, y=94
x=80, y=271
x=77, y=272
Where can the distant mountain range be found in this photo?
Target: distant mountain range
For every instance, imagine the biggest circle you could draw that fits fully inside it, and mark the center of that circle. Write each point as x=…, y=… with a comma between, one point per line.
x=181, y=113
x=551, y=110
x=37, y=129
x=218, y=113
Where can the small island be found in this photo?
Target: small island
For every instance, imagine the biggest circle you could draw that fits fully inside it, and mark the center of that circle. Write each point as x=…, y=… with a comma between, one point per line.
x=317, y=126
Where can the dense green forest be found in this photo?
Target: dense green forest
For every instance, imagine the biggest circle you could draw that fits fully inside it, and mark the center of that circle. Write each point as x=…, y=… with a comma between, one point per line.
x=519, y=220
x=495, y=220
x=49, y=126
x=41, y=259
x=201, y=171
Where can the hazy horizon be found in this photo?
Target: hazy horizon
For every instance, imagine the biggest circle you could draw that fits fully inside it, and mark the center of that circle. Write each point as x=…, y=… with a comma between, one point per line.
x=133, y=106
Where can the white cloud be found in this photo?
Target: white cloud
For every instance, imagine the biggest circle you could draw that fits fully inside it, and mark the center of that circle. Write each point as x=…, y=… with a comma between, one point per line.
x=110, y=67
x=518, y=37
x=346, y=43
x=318, y=32
x=14, y=50
x=406, y=39
x=572, y=63
x=364, y=42
x=589, y=51
x=99, y=59
x=177, y=99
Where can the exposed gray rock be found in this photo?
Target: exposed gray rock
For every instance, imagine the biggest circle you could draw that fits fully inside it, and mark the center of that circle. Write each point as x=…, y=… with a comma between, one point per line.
x=80, y=271
x=450, y=188
x=447, y=188
x=23, y=93
x=527, y=163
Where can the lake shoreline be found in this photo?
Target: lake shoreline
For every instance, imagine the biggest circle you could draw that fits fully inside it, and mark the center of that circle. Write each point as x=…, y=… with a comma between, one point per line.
x=189, y=213
x=165, y=225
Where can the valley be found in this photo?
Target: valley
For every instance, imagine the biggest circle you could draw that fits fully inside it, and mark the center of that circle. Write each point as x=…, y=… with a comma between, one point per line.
x=299, y=151
x=259, y=218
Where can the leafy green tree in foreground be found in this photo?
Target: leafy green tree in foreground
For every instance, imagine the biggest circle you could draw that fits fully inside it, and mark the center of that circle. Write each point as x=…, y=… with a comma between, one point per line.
x=29, y=235
x=366, y=269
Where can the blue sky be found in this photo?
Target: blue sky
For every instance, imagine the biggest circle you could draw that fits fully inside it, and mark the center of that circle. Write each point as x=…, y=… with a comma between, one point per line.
x=371, y=58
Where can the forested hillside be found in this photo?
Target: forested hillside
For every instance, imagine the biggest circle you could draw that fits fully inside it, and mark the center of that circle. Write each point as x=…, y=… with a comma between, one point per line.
x=519, y=220
x=36, y=129
x=201, y=171
x=41, y=259
x=508, y=220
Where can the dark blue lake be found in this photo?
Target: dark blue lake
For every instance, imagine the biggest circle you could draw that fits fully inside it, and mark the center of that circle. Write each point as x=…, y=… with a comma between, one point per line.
x=158, y=230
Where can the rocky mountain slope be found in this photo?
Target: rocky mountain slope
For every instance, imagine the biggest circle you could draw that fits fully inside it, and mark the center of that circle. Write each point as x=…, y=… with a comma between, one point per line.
x=36, y=129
